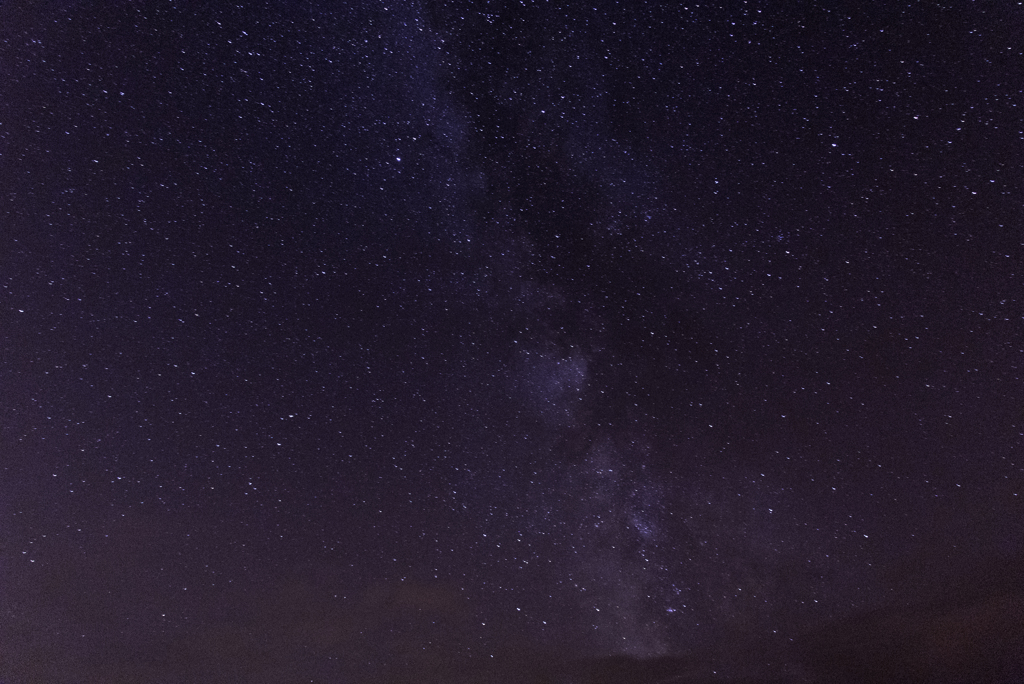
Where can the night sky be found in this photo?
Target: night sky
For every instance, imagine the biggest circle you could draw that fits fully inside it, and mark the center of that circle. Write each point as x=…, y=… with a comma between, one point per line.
x=507, y=342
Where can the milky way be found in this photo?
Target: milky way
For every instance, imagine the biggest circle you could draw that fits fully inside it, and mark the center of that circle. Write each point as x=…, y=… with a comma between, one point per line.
x=366, y=342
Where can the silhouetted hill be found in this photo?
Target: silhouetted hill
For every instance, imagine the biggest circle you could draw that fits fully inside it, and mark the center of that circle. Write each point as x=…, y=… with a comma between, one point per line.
x=943, y=642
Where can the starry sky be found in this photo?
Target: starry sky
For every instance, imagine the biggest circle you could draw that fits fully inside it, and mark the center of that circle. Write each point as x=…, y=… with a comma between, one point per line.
x=511, y=341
